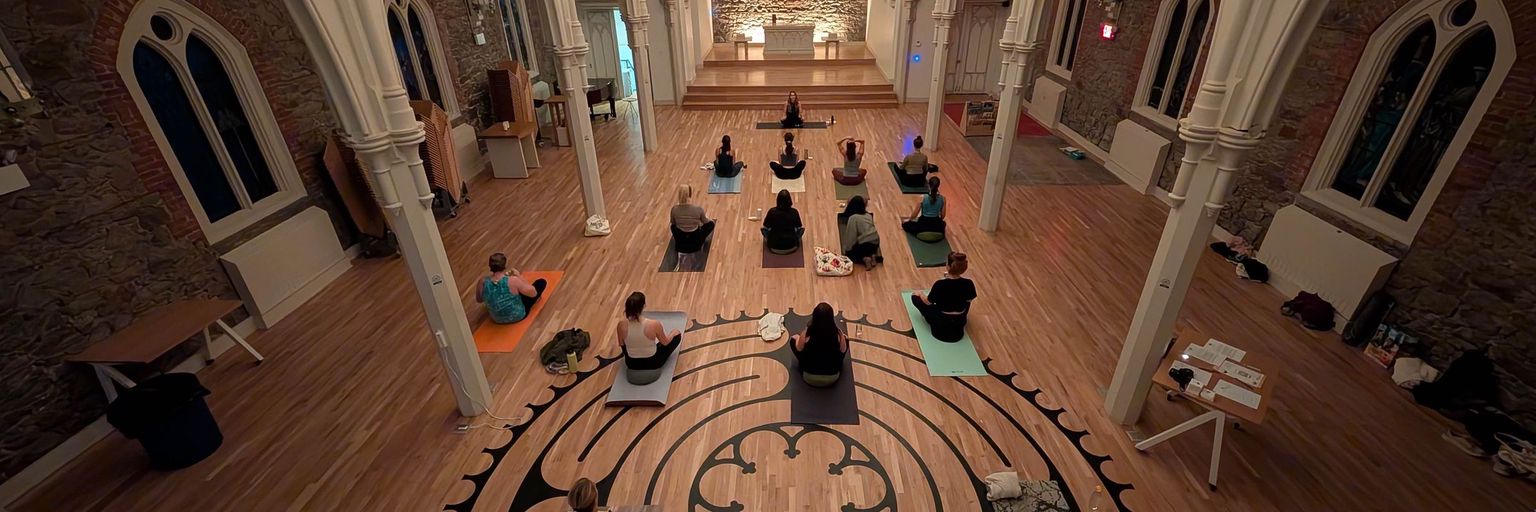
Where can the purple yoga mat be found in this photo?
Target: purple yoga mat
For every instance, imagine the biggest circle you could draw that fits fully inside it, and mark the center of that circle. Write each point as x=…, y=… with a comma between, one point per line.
x=792, y=260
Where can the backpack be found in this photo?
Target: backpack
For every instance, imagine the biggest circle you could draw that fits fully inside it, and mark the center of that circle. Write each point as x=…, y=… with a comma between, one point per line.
x=1314, y=312
x=569, y=340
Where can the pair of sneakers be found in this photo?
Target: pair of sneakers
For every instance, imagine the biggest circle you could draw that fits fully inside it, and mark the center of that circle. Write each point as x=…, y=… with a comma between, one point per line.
x=1515, y=458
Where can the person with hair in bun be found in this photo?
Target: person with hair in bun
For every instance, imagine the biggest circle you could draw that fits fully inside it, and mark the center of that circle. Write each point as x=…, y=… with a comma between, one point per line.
x=583, y=496
x=948, y=303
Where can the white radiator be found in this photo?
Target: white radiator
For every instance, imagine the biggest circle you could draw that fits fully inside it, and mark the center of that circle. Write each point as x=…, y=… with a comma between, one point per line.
x=281, y=269
x=1306, y=253
x=1045, y=102
x=1136, y=155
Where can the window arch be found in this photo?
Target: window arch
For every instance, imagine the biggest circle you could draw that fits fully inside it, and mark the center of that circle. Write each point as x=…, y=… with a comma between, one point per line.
x=520, y=42
x=1418, y=94
x=1176, y=49
x=1069, y=25
x=194, y=85
x=418, y=50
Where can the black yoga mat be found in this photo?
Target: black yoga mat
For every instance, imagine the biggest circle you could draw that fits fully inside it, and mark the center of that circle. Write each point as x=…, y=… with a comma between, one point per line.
x=836, y=405
x=692, y=263
x=775, y=125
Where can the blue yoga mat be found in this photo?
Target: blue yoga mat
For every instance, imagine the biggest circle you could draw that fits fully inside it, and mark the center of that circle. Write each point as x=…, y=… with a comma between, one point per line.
x=718, y=185
x=943, y=359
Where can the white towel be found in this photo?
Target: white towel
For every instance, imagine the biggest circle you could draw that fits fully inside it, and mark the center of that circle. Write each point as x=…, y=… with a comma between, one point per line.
x=1003, y=486
x=771, y=326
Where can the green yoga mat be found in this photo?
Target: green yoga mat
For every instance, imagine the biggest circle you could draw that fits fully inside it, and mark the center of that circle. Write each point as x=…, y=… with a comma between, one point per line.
x=926, y=254
x=896, y=173
x=943, y=359
x=845, y=192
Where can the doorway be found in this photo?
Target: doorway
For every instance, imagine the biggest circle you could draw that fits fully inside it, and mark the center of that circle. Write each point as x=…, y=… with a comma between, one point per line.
x=627, y=85
x=976, y=58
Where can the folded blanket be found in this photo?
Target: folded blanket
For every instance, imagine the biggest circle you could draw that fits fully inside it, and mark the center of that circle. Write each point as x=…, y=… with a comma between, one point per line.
x=1002, y=486
x=771, y=326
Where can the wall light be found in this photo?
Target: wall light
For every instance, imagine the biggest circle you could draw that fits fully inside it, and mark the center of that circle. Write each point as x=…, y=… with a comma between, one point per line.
x=917, y=57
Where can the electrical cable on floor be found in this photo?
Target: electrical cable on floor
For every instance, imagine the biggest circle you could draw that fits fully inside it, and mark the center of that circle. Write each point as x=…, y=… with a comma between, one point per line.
x=458, y=382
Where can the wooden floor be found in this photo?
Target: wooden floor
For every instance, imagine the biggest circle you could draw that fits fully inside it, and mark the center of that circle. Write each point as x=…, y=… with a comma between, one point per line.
x=351, y=411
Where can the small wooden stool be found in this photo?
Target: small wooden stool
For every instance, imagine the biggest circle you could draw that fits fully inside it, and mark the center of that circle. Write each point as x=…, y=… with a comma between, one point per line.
x=739, y=40
x=832, y=40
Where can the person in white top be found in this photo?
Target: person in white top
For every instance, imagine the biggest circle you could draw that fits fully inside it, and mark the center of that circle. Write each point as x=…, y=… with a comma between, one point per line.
x=643, y=341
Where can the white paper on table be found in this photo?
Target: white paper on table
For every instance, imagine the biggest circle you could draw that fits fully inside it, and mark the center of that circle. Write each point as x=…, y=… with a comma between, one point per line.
x=1202, y=377
x=1204, y=354
x=1233, y=353
x=1238, y=394
x=1248, y=375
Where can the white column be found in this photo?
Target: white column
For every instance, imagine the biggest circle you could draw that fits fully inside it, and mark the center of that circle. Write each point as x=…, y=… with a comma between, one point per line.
x=1250, y=59
x=675, y=37
x=571, y=50
x=903, y=47
x=637, y=17
x=943, y=15
x=351, y=46
x=1021, y=39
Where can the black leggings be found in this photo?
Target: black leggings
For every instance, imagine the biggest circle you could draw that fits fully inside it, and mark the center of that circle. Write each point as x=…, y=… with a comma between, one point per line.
x=945, y=327
x=787, y=173
x=729, y=171
x=924, y=225
x=863, y=250
x=663, y=352
x=913, y=180
x=538, y=287
x=689, y=242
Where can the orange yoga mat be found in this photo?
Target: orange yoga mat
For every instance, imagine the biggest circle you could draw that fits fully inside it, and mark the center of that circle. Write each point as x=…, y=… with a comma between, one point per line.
x=493, y=337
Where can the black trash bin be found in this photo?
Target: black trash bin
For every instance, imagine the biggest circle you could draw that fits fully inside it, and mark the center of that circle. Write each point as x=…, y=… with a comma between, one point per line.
x=169, y=417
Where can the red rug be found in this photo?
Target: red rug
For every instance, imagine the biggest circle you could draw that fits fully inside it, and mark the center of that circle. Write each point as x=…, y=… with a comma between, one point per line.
x=1027, y=125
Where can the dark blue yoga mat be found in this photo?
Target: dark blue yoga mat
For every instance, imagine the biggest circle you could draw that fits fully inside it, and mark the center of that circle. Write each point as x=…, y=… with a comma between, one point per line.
x=836, y=405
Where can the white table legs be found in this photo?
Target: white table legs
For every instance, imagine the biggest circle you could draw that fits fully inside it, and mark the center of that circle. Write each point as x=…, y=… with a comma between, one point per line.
x=512, y=157
x=1217, y=417
x=107, y=375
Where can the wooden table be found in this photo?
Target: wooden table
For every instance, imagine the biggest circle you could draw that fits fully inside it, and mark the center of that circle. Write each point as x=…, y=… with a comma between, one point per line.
x=559, y=123
x=600, y=90
x=155, y=333
x=512, y=148
x=1218, y=408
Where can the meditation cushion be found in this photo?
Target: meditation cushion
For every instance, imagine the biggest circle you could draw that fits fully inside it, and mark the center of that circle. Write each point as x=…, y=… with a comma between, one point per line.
x=642, y=377
x=930, y=236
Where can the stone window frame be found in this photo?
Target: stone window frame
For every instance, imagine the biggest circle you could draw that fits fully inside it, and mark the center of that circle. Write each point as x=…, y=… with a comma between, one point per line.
x=525, y=32
x=1368, y=73
x=1064, y=33
x=1155, y=53
x=188, y=20
x=435, y=49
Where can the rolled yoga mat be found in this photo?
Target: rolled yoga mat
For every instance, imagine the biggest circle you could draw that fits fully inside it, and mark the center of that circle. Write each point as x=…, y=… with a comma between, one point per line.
x=775, y=125
x=671, y=261
x=928, y=254
x=944, y=359
x=493, y=337
x=835, y=405
x=654, y=394
x=896, y=173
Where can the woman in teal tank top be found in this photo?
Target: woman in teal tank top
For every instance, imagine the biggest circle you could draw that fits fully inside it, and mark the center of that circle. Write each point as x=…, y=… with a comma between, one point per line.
x=929, y=216
x=506, y=295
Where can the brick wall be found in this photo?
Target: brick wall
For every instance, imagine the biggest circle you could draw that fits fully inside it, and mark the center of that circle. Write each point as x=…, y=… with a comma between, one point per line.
x=1104, y=73
x=847, y=17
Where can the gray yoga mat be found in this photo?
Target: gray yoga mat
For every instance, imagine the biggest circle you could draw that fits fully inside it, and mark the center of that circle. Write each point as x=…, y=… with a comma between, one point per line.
x=671, y=261
x=775, y=125
x=719, y=185
x=836, y=405
x=654, y=394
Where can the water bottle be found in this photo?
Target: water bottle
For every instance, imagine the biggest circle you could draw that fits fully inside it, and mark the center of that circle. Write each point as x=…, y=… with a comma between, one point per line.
x=1096, y=502
x=758, y=214
x=571, y=360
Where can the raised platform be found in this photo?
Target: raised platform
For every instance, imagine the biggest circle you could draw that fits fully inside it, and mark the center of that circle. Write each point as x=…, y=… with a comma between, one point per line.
x=850, y=79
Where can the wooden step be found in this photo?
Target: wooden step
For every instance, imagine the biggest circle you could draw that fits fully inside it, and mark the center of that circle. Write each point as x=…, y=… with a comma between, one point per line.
x=800, y=90
x=773, y=97
x=799, y=62
x=690, y=103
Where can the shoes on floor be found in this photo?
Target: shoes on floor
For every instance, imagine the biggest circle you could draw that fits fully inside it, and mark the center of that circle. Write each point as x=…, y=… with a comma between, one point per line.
x=1465, y=443
x=1516, y=457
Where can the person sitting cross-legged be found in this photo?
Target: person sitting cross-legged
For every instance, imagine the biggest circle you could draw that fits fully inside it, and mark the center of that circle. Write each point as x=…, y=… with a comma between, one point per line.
x=506, y=295
x=782, y=228
x=850, y=173
x=927, y=222
x=821, y=348
x=948, y=302
x=791, y=162
x=690, y=227
x=914, y=168
x=644, y=343
x=726, y=164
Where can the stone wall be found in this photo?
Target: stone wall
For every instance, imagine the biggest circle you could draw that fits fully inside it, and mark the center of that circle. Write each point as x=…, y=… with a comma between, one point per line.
x=1103, y=79
x=847, y=17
